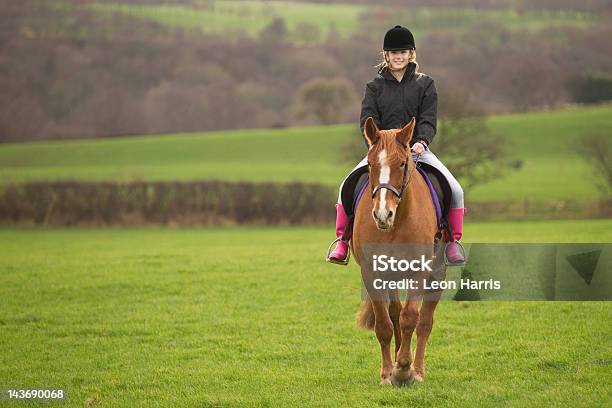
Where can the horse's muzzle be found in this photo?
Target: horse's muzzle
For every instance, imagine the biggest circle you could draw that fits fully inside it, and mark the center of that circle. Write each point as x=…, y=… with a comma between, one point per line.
x=384, y=222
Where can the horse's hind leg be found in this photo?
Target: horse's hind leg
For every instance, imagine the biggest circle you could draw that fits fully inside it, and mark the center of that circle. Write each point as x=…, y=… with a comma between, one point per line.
x=383, y=327
x=423, y=331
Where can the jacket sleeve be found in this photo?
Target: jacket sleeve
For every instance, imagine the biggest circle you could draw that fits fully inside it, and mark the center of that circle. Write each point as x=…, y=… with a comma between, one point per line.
x=369, y=107
x=428, y=115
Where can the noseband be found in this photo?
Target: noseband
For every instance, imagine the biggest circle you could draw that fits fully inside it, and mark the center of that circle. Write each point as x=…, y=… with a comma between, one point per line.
x=405, y=179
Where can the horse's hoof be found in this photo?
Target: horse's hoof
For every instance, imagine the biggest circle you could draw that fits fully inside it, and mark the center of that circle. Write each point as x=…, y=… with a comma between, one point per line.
x=419, y=374
x=403, y=376
x=385, y=381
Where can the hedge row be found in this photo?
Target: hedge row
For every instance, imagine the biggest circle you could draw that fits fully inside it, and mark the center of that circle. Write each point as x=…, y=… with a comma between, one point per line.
x=550, y=209
x=165, y=203
x=202, y=203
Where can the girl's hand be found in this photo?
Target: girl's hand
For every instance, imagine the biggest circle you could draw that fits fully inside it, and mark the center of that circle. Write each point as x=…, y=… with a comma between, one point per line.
x=418, y=148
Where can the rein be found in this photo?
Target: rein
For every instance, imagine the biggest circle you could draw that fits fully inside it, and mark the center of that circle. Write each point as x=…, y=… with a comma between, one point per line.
x=405, y=179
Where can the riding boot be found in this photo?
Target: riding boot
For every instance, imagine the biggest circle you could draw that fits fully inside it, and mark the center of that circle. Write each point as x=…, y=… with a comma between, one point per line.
x=454, y=251
x=340, y=255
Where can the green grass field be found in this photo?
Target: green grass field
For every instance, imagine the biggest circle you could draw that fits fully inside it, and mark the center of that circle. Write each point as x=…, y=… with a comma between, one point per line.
x=542, y=140
x=213, y=318
x=251, y=16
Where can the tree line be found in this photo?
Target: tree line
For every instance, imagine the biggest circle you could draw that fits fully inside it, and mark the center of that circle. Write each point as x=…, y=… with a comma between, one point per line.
x=73, y=73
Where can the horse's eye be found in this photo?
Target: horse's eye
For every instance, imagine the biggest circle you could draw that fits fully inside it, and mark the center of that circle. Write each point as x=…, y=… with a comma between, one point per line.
x=402, y=165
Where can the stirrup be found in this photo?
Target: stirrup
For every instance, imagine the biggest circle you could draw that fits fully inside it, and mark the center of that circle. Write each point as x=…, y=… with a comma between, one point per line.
x=449, y=263
x=335, y=261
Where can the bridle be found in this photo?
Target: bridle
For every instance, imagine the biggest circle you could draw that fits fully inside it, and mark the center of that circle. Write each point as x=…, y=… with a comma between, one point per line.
x=405, y=178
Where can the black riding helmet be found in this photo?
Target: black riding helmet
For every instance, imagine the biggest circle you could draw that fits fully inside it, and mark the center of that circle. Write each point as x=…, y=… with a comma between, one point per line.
x=398, y=38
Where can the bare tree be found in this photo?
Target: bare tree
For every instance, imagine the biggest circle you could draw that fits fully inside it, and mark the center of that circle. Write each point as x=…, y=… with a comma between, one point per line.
x=469, y=148
x=324, y=98
x=465, y=143
x=595, y=148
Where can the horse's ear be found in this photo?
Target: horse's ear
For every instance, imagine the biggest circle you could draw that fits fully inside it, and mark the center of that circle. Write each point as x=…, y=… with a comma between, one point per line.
x=370, y=131
x=404, y=136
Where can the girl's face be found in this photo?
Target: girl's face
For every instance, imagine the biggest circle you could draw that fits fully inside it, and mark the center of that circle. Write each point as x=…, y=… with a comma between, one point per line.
x=398, y=60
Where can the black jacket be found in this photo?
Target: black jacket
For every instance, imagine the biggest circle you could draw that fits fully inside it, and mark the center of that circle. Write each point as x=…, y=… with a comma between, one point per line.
x=392, y=104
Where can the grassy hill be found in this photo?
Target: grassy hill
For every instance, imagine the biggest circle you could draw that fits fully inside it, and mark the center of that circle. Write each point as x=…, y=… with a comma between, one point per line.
x=542, y=140
x=249, y=17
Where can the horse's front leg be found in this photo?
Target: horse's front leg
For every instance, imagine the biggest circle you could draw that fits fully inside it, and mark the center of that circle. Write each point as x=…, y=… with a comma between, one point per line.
x=383, y=327
x=403, y=373
x=395, y=308
x=423, y=331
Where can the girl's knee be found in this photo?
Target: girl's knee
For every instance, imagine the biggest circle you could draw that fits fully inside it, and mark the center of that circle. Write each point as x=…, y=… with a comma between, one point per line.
x=456, y=192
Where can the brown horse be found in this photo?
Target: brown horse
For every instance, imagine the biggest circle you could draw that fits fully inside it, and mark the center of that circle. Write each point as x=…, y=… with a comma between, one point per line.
x=399, y=210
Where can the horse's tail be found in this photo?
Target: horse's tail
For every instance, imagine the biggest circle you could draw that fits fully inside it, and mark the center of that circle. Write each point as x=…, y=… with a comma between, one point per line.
x=365, y=315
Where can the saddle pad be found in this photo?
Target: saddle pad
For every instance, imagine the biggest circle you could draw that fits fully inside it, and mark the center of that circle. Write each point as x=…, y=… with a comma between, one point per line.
x=434, y=196
x=352, y=186
x=440, y=186
x=361, y=186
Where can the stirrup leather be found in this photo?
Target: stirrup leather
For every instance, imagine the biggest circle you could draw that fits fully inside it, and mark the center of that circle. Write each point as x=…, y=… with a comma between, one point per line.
x=329, y=250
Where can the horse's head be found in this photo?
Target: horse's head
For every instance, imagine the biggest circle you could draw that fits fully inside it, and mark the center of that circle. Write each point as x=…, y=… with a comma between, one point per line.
x=390, y=163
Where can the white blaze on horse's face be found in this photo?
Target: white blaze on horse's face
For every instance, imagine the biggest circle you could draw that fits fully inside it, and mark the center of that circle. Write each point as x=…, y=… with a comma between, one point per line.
x=385, y=205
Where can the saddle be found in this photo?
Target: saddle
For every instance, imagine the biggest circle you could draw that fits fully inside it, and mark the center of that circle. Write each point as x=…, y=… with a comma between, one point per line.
x=440, y=191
